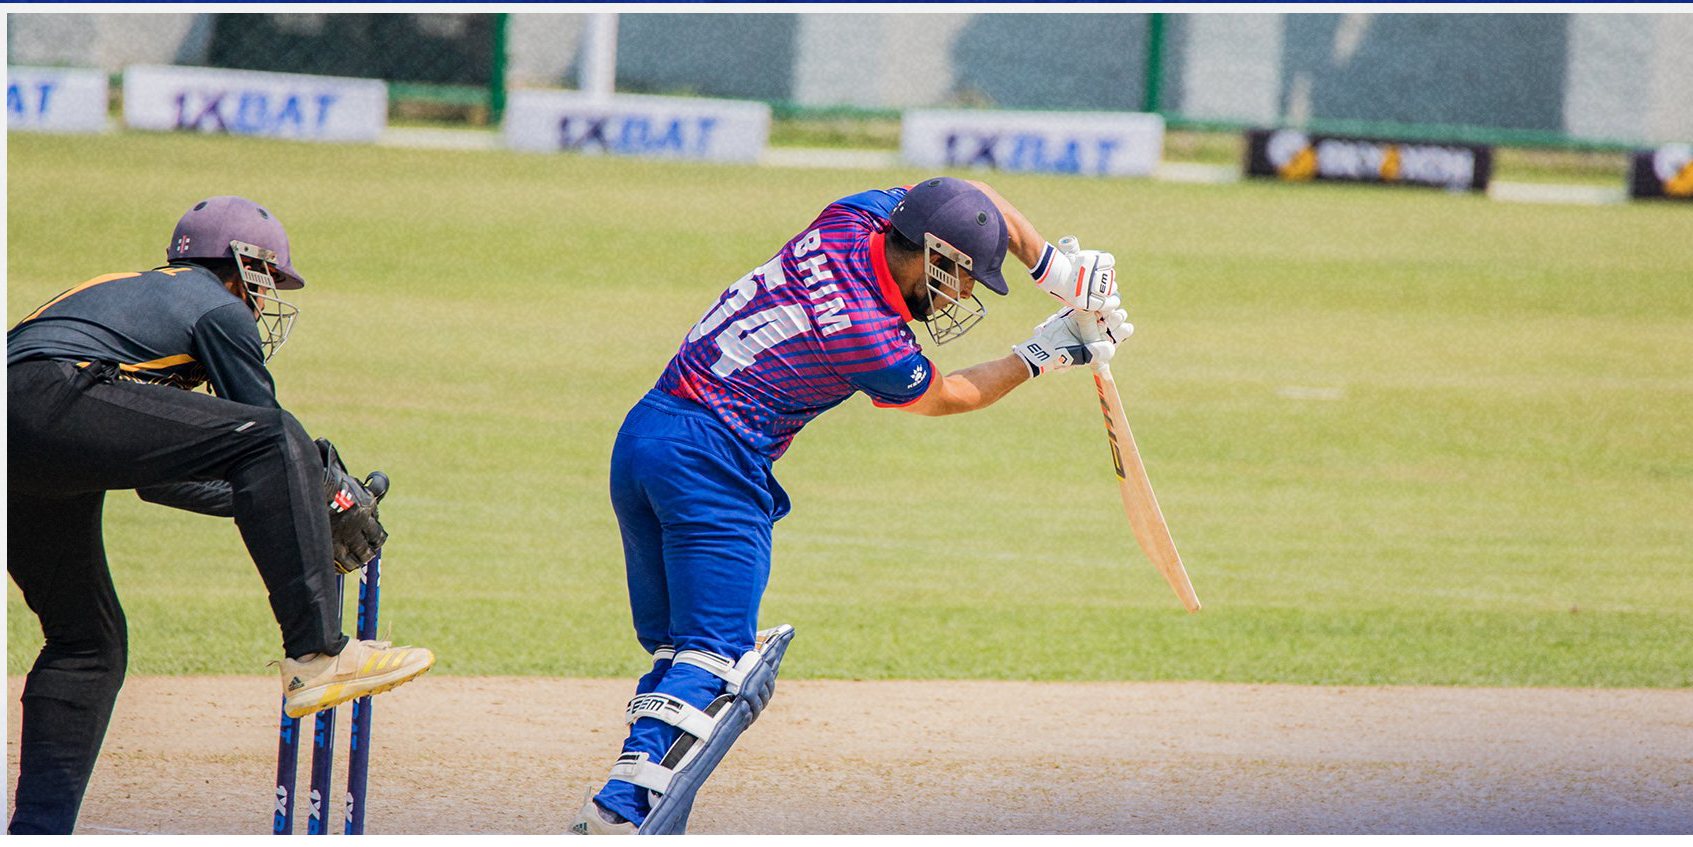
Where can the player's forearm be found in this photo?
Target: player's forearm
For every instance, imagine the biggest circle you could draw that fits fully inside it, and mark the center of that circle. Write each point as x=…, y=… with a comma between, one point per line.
x=973, y=388
x=1026, y=242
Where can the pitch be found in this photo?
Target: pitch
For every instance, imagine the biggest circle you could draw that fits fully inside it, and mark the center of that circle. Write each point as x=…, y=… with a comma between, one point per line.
x=1179, y=757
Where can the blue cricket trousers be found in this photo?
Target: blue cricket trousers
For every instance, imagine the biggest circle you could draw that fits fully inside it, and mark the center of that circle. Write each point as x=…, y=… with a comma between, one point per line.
x=695, y=506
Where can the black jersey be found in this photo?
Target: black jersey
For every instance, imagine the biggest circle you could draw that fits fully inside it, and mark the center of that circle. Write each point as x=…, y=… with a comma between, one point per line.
x=176, y=325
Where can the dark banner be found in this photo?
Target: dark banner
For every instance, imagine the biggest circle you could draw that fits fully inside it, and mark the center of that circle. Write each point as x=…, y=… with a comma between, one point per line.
x=1298, y=156
x=1666, y=172
x=435, y=48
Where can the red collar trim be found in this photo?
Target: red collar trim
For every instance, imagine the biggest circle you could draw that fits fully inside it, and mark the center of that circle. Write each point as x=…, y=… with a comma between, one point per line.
x=885, y=278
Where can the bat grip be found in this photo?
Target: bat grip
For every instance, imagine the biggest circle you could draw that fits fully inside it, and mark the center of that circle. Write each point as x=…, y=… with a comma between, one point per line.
x=1087, y=329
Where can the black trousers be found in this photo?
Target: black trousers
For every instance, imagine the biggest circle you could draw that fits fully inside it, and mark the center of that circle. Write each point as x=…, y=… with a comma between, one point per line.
x=74, y=434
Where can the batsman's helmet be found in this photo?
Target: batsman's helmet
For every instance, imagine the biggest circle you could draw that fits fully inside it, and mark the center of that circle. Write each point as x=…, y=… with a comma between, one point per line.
x=235, y=228
x=959, y=214
x=956, y=221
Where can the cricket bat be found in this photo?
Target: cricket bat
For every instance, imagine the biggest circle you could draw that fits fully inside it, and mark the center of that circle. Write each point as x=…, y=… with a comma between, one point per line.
x=1145, y=518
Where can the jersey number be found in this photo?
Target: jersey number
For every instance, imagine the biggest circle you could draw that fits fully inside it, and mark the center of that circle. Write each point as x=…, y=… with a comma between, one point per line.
x=749, y=336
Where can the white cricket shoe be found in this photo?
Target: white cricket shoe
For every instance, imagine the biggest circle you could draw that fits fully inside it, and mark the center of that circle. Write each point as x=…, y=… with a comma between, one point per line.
x=592, y=820
x=363, y=667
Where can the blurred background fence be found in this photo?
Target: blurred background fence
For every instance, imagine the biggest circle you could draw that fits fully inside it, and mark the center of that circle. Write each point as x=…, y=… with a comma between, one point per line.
x=1588, y=81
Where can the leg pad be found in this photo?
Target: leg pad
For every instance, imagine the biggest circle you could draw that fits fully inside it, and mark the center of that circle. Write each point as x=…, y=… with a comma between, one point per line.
x=707, y=734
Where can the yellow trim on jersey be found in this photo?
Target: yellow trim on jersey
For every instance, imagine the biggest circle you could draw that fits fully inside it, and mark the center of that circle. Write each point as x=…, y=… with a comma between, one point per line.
x=166, y=362
x=89, y=284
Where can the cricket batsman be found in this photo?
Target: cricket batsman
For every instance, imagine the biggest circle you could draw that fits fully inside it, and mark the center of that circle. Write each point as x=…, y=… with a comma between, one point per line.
x=99, y=398
x=691, y=482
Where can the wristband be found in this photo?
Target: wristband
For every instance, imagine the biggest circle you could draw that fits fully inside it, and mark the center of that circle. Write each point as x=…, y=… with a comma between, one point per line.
x=1045, y=263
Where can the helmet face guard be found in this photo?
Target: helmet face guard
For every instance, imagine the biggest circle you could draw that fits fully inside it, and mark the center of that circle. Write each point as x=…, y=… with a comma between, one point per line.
x=949, y=316
x=274, y=314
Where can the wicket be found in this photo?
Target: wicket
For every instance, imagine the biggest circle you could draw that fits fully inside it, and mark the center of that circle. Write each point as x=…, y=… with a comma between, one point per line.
x=323, y=738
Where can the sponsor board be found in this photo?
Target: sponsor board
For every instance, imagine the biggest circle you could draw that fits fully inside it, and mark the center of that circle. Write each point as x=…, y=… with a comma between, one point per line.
x=295, y=106
x=1666, y=172
x=56, y=99
x=1088, y=143
x=1297, y=156
x=636, y=125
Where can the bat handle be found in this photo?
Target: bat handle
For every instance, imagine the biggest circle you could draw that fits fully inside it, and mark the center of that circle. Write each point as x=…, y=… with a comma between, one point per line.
x=1087, y=328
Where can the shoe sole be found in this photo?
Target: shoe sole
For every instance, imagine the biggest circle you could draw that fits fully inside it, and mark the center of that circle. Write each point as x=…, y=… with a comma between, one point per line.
x=386, y=686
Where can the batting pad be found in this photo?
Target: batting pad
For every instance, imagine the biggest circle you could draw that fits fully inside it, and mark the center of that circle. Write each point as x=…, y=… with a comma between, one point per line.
x=751, y=682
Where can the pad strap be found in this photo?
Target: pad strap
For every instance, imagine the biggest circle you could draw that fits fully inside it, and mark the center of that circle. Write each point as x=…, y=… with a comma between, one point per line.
x=732, y=673
x=638, y=769
x=671, y=710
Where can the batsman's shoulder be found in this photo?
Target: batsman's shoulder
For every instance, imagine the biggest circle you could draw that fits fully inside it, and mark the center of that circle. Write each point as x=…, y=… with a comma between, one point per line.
x=878, y=202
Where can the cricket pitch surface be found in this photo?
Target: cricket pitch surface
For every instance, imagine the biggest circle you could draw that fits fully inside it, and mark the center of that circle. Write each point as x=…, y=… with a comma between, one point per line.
x=499, y=755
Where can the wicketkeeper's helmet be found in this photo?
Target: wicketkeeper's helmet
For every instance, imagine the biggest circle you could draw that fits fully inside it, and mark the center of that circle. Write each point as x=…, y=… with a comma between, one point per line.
x=228, y=227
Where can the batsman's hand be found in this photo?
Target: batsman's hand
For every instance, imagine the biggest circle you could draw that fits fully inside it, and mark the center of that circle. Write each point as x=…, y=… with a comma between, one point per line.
x=1082, y=279
x=354, y=530
x=1071, y=338
x=1110, y=323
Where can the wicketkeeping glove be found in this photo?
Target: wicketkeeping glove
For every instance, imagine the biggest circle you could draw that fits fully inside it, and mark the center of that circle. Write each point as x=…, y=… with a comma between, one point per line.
x=354, y=530
x=1071, y=338
x=1083, y=279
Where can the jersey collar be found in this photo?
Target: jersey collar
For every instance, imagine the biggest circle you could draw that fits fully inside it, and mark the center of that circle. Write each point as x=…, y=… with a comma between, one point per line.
x=885, y=278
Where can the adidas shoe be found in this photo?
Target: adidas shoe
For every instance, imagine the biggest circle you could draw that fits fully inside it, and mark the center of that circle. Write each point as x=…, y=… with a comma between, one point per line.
x=593, y=820
x=363, y=667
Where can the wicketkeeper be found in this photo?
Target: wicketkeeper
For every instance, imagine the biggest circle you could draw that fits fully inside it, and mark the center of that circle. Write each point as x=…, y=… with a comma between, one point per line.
x=99, y=398
x=691, y=479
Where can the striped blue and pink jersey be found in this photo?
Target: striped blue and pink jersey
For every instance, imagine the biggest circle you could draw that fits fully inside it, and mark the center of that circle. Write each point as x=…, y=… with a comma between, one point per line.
x=800, y=334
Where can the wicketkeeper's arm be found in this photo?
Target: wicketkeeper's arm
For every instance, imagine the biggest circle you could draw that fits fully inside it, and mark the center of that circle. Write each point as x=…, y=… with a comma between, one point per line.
x=213, y=497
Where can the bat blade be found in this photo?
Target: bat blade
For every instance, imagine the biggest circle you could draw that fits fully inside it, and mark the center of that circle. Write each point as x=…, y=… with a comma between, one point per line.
x=1145, y=518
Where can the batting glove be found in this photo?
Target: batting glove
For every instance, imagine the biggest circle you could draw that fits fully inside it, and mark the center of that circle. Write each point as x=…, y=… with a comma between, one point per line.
x=1111, y=322
x=1082, y=279
x=1058, y=343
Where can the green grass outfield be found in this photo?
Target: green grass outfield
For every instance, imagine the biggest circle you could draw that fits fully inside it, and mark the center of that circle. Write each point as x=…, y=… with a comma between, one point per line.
x=1401, y=436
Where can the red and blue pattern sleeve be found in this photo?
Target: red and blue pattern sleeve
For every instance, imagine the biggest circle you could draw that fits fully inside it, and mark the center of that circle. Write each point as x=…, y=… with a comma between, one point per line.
x=901, y=384
x=878, y=202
